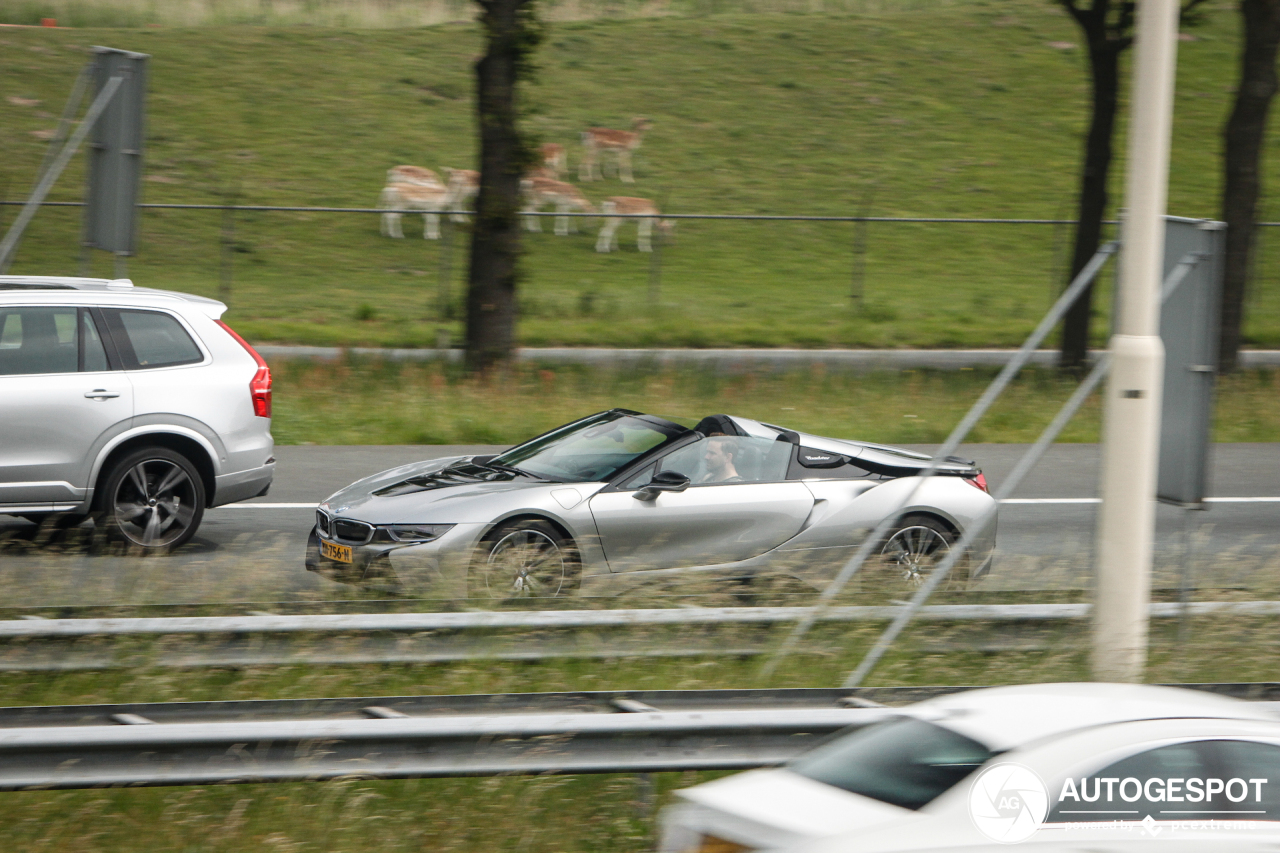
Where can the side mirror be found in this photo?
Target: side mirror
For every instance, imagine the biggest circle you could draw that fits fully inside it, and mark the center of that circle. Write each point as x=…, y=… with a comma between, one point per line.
x=663, y=481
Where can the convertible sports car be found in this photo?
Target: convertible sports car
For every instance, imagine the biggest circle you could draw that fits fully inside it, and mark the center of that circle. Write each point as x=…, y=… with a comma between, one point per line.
x=621, y=491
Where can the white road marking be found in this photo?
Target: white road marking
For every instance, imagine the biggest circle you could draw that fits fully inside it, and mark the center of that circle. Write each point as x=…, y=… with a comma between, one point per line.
x=1049, y=501
x=1024, y=501
x=1271, y=500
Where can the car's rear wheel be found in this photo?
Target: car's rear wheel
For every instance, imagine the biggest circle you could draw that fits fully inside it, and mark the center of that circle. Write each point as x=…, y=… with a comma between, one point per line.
x=153, y=499
x=524, y=559
x=916, y=546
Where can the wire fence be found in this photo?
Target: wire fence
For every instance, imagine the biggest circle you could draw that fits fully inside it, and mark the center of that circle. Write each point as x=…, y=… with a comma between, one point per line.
x=268, y=261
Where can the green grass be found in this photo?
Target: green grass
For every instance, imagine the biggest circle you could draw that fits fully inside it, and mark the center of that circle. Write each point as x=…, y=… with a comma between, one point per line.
x=927, y=109
x=375, y=402
x=537, y=815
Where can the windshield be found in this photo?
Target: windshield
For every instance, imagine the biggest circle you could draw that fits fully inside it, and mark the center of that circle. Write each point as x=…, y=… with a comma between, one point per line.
x=591, y=449
x=903, y=762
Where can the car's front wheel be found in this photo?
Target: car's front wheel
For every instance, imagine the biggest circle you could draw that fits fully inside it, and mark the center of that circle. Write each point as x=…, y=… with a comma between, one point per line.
x=918, y=544
x=525, y=558
x=153, y=499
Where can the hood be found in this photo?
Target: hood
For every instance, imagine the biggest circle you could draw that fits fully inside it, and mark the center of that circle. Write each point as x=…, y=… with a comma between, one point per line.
x=777, y=807
x=425, y=492
x=389, y=477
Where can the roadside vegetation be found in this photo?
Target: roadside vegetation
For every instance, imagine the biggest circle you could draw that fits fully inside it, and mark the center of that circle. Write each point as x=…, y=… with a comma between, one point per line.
x=921, y=109
x=534, y=814
x=383, y=402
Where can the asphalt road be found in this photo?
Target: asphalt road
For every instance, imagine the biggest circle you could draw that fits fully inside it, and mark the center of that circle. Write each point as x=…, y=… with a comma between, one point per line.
x=252, y=552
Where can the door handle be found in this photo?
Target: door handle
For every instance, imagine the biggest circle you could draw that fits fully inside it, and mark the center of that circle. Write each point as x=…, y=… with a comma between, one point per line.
x=101, y=394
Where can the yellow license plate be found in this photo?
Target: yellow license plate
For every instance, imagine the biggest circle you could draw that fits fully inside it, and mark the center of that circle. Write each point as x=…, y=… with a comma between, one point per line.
x=341, y=553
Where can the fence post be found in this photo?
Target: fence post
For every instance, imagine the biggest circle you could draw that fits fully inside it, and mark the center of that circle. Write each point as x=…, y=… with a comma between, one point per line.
x=858, y=283
x=444, y=304
x=228, y=240
x=655, y=268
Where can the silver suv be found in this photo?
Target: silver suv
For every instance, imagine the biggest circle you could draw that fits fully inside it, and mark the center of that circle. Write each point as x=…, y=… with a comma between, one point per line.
x=137, y=407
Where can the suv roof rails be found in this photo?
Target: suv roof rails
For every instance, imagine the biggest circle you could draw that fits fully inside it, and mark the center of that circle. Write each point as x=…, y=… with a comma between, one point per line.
x=58, y=282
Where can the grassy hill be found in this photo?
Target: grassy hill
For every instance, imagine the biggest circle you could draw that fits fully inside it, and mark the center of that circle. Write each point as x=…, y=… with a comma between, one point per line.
x=966, y=109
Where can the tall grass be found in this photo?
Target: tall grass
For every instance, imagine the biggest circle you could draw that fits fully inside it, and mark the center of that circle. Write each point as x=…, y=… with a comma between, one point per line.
x=376, y=402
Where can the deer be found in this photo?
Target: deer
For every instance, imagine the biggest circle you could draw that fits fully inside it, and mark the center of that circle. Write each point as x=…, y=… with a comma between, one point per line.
x=411, y=175
x=554, y=160
x=646, y=213
x=596, y=140
x=544, y=191
x=405, y=195
x=464, y=185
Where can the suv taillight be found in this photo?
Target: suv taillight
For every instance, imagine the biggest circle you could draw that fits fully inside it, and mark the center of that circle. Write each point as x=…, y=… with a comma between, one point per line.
x=260, y=384
x=978, y=482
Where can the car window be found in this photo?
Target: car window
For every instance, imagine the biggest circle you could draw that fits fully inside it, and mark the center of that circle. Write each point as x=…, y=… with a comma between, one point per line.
x=1167, y=783
x=38, y=340
x=724, y=459
x=592, y=449
x=95, y=355
x=903, y=762
x=150, y=339
x=1249, y=762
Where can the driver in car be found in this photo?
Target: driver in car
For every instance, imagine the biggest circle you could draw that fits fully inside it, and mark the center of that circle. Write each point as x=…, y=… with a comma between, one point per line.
x=719, y=458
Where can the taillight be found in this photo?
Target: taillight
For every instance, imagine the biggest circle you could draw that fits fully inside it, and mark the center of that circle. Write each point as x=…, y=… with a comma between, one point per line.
x=978, y=482
x=260, y=384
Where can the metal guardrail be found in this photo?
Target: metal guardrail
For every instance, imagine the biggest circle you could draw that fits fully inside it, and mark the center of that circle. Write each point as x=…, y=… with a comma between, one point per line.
x=401, y=737
x=33, y=628
x=276, y=640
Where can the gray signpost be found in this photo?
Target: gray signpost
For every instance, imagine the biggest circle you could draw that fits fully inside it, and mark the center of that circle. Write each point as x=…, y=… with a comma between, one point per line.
x=1189, y=329
x=115, y=156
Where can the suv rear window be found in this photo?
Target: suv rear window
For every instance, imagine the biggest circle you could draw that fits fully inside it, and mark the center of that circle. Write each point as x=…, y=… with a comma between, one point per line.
x=904, y=762
x=150, y=339
x=38, y=340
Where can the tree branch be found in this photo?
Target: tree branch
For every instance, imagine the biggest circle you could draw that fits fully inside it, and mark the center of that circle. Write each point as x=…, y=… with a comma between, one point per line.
x=1074, y=10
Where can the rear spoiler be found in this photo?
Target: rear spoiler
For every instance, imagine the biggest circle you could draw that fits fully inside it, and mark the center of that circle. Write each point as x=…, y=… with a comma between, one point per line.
x=883, y=460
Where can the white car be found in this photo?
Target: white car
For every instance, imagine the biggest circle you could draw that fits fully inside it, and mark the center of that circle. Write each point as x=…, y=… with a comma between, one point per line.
x=138, y=407
x=1050, y=764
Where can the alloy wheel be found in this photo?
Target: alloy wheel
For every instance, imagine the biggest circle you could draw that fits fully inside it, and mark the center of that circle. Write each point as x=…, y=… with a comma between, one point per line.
x=913, y=552
x=526, y=562
x=155, y=503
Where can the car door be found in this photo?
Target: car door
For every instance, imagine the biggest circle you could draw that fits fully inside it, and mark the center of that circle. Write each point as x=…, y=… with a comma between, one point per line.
x=717, y=519
x=173, y=381
x=61, y=400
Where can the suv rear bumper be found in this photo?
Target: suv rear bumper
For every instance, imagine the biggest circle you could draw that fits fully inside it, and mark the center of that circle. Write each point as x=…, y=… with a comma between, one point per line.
x=242, y=485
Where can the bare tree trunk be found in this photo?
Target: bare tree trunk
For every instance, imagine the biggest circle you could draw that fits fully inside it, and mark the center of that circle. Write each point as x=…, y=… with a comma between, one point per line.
x=1104, y=62
x=1106, y=27
x=511, y=33
x=1244, y=135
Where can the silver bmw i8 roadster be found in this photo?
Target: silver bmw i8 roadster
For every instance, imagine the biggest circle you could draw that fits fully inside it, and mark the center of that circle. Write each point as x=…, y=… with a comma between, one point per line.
x=624, y=492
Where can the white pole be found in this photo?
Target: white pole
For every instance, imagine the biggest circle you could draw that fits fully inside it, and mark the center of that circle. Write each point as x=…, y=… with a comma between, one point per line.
x=1131, y=427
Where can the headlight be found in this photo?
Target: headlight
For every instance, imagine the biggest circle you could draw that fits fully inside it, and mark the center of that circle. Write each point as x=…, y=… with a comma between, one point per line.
x=414, y=532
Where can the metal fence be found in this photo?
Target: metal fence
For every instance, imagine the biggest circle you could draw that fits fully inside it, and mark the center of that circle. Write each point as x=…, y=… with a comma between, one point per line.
x=63, y=645
x=859, y=244
x=422, y=736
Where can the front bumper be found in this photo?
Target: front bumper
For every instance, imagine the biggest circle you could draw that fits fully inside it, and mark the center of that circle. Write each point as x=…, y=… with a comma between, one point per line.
x=363, y=558
x=438, y=567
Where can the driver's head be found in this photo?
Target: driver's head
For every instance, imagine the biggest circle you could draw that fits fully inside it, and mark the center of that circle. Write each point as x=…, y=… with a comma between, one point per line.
x=719, y=454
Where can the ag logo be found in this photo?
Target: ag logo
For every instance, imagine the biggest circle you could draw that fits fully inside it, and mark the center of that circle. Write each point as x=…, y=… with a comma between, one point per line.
x=1008, y=802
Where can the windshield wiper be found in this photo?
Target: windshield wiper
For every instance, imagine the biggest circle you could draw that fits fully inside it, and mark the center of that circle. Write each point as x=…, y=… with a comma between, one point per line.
x=511, y=469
